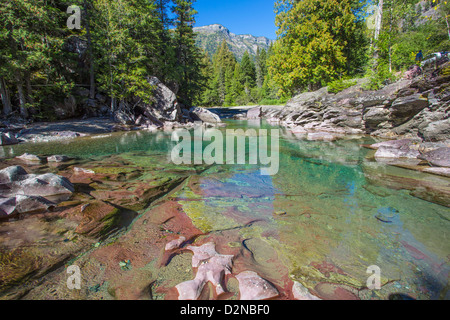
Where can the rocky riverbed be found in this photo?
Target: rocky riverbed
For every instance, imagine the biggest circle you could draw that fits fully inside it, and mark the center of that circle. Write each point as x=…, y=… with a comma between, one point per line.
x=139, y=227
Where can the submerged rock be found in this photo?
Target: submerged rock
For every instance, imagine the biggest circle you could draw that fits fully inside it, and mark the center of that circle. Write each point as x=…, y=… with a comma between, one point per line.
x=27, y=157
x=333, y=291
x=175, y=244
x=98, y=218
x=253, y=287
x=212, y=267
x=58, y=158
x=22, y=192
x=302, y=293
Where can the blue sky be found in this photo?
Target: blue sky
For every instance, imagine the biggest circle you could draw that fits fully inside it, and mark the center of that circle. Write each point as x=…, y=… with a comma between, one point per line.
x=255, y=17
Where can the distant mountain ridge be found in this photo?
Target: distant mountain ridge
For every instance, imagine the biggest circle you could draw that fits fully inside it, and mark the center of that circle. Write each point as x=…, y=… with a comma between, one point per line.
x=210, y=37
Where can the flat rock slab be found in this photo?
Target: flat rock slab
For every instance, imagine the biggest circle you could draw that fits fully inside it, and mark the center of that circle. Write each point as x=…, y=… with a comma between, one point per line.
x=439, y=157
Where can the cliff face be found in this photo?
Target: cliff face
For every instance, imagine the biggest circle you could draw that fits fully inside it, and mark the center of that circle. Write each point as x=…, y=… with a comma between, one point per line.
x=210, y=37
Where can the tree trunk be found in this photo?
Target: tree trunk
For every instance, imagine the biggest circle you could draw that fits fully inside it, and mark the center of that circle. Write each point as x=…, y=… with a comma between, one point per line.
x=22, y=99
x=7, y=109
x=378, y=20
x=448, y=26
x=91, y=56
x=378, y=24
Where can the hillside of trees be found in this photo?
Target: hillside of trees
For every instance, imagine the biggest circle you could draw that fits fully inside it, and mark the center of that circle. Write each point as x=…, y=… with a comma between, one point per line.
x=120, y=44
x=46, y=59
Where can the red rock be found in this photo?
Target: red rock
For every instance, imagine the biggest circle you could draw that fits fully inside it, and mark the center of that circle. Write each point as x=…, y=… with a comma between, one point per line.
x=253, y=287
x=301, y=293
x=212, y=267
x=333, y=291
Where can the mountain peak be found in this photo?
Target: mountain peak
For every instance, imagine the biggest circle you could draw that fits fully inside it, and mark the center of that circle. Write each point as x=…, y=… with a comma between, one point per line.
x=210, y=37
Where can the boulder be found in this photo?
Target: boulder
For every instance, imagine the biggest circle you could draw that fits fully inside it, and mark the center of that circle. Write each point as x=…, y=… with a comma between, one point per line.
x=7, y=139
x=396, y=144
x=439, y=157
x=66, y=109
x=164, y=105
x=436, y=131
x=374, y=116
x=44, y=185
x=405, y=108
x=58, y=158
x=27, y=157
x=123, y=118
x=14, y=173
x=7, y=207
x=393, y=153
x=204, y=115
x=395, y=149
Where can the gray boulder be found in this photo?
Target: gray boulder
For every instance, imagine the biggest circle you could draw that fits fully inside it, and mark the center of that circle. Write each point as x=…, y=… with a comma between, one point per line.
x=58, y=158
x=27, y=157
x=15, y=181
x=405, y=108
x=375, y=116
x=7, y=207
x=386, y=152
x=11, y=174
x=439, y=157
x=164, y=106
x=437, y=131
x=66, y=109
x=204, y=115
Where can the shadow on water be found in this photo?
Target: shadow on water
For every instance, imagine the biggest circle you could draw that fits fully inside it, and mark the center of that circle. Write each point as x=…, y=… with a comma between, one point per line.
x=400, y=296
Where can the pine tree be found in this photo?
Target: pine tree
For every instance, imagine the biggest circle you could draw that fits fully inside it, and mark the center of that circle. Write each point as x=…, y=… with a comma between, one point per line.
x=31, y=39
x=224, y=63
x=248, y=72
x=261, y=67
x=187, y=54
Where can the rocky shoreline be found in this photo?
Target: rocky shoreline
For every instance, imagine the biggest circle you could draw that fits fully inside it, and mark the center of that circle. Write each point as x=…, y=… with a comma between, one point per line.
x=412, y=114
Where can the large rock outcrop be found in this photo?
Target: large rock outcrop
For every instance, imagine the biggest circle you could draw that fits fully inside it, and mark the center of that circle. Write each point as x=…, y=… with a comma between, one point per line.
x=409, y=108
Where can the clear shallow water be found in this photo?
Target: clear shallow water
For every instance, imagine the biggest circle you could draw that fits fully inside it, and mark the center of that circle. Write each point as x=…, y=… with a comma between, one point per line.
x=329, y=213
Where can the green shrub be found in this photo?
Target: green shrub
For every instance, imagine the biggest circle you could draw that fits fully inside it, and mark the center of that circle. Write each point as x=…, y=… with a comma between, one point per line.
x=273, y=102
x=339, y=85
x=379, y=78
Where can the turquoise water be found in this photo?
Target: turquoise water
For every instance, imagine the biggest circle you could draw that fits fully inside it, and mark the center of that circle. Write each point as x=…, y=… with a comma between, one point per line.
x=330, y=204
